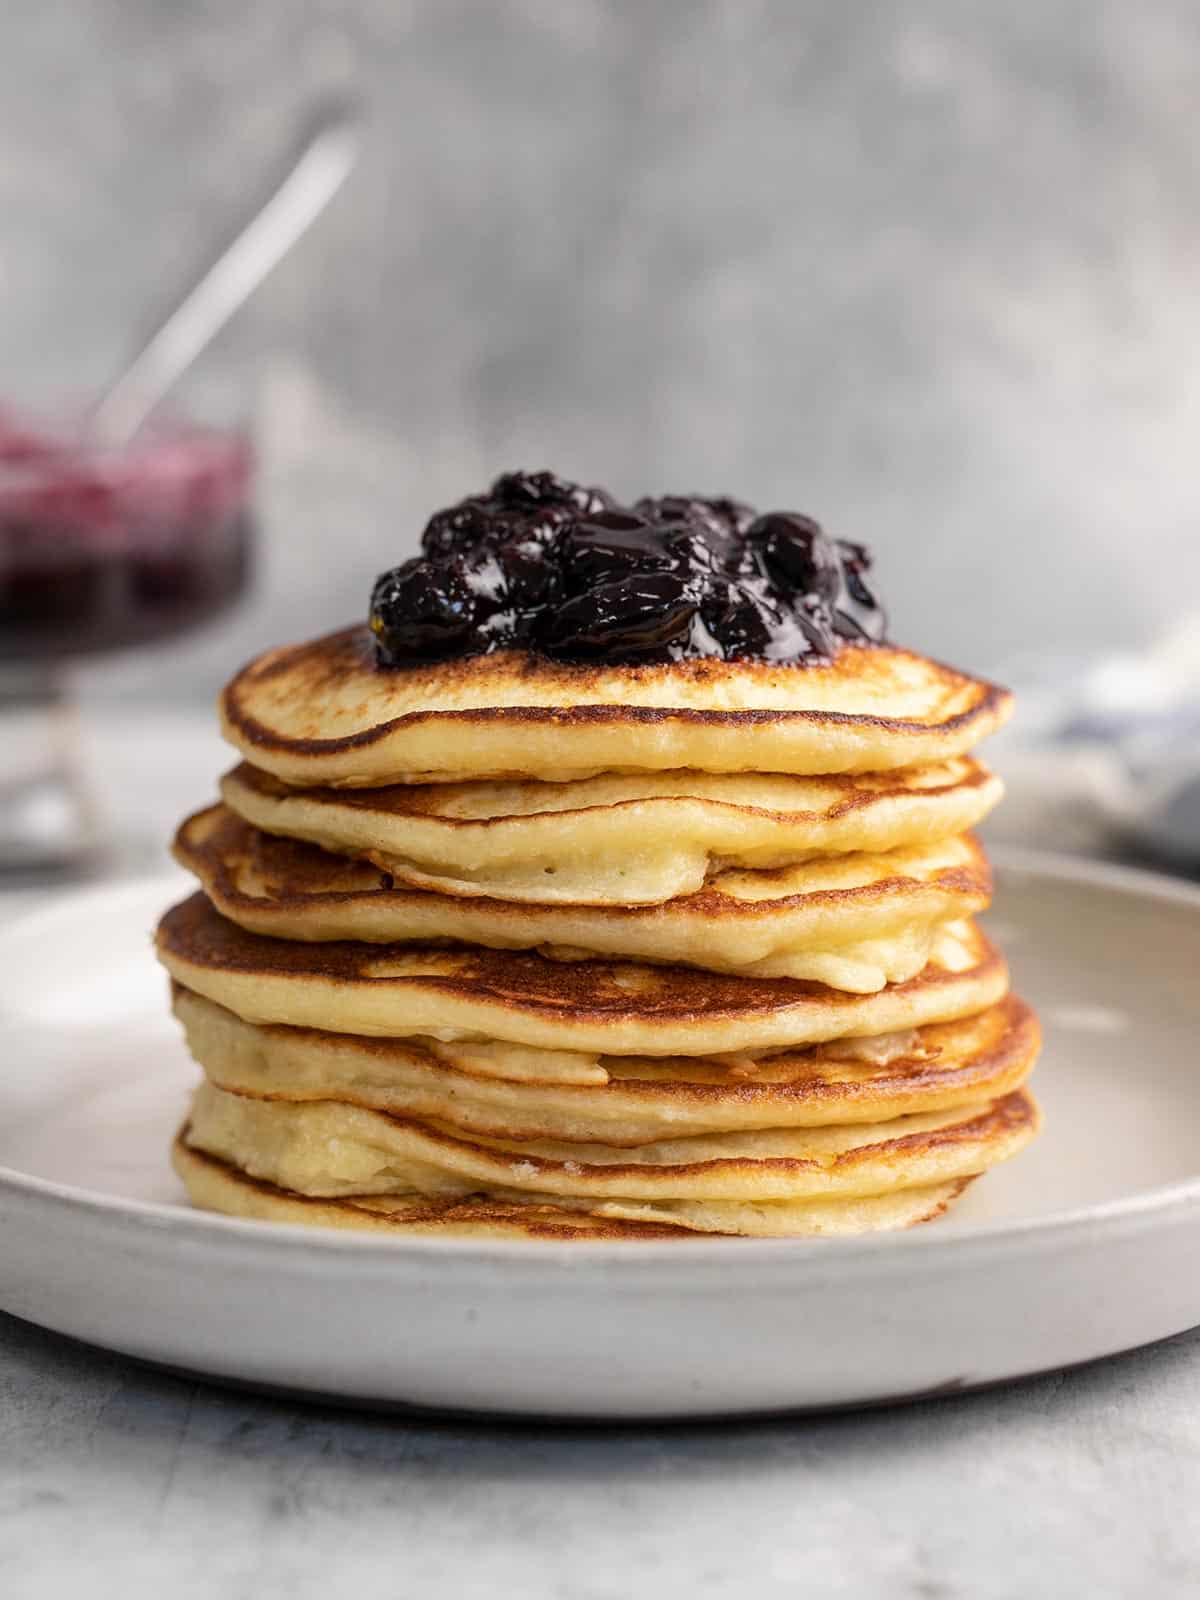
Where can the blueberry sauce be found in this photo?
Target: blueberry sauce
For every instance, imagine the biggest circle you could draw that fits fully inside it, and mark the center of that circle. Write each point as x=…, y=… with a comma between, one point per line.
x=541, y=564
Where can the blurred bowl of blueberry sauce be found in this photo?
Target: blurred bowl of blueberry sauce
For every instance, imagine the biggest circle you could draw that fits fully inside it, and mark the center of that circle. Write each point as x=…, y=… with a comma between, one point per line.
x=104, y=549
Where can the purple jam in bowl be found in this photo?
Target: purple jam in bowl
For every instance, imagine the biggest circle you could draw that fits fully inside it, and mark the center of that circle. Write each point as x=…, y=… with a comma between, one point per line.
x=102, y=550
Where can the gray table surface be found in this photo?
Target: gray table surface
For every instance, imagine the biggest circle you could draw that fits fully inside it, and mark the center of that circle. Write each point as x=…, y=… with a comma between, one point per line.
x=115, y=1479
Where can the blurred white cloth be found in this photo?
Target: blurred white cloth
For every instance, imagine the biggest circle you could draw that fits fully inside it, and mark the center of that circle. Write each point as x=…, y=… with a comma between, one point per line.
x=1104, y=756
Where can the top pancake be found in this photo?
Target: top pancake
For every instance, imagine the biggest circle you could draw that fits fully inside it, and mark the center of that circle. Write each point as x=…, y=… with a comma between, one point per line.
x=323, y=713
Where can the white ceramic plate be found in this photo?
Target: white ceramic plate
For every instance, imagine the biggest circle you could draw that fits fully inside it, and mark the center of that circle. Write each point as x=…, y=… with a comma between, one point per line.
x=1087, y=1244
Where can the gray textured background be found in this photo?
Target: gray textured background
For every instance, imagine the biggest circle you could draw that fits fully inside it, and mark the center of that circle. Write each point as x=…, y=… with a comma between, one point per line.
x=927, y=270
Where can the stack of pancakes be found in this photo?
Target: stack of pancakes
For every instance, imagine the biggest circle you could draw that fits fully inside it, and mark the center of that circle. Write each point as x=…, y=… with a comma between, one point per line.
x=507, y=945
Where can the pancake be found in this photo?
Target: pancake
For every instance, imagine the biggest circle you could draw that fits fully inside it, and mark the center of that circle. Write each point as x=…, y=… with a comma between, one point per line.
x=854, y=922
x=327, y=1149
x=217, y=1186
x=617, y=839
x=322, y=713
x=613, y=1007
x=510, y=1093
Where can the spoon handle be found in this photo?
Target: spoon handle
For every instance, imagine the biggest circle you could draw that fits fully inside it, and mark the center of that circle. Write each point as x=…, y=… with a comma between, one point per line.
x=325, y=153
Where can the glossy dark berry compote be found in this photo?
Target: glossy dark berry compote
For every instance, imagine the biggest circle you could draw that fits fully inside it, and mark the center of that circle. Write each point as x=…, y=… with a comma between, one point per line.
x=100, y=550
x=540, y=564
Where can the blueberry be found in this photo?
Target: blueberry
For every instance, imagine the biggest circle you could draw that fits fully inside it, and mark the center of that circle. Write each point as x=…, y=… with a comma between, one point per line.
x=857, y=614
x=724, y=518
x=527, y=578
x=425, y=610
x=607, y=545
x=740, y=621
x=704, y=532
x=795, y=554
x=458, y=529
x=535, y=491
x=643, y=614
x=734, y=515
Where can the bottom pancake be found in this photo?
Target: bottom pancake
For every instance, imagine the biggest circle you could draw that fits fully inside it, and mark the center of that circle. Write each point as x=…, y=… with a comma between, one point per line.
x=216, y=1185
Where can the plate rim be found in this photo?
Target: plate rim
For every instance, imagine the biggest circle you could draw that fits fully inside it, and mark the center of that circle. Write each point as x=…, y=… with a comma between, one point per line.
x=289, y=1243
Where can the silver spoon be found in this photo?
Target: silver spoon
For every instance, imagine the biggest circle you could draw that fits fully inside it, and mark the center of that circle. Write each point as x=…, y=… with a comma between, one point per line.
x=325, y=152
